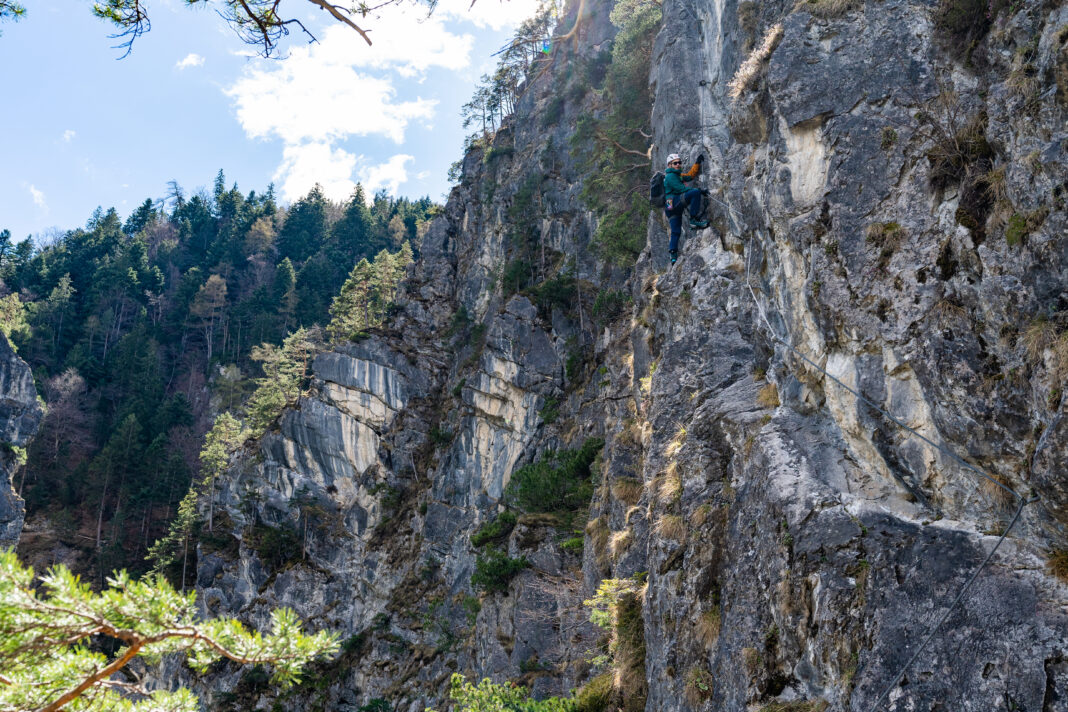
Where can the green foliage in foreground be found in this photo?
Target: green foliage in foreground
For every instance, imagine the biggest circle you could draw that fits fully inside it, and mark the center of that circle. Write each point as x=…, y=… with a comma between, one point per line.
x=47, y=661
x=560, y=481
x=489, y=697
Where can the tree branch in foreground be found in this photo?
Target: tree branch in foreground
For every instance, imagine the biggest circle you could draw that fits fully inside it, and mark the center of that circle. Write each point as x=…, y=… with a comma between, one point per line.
x=47, y=661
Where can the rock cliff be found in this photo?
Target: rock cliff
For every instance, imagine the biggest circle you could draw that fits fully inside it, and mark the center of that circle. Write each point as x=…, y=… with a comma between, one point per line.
x=20, y=414
x=889, y=219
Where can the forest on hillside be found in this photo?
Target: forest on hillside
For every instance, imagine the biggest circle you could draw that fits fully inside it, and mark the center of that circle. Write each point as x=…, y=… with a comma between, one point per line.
x=141, y=331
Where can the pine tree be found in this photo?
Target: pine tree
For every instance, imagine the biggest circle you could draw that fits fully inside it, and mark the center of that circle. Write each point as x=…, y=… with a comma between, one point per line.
x=111, y=469
x=284, y=372
x=284, y=293
x=305, y=226
x=47, y=664
x=166, y=551
x=221, y=440
x=351, y=309
x=367, y=294
x=140, y=218
x=351, y=235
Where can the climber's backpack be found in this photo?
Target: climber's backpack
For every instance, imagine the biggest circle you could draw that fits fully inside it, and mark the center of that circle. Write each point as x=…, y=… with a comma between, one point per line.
x=656, y=190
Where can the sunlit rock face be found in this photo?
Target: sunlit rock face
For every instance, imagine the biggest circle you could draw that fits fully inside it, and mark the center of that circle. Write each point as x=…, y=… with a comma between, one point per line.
x=795, y=542
x=835, y=536
x=20, y=415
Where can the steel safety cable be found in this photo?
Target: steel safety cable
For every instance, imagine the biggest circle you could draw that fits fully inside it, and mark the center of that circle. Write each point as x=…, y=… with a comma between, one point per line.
x=1022, y=501
x=941, y=448
x=942, y=619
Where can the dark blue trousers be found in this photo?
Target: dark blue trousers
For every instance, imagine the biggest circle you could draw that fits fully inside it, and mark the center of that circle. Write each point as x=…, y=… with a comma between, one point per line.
x=689, y=201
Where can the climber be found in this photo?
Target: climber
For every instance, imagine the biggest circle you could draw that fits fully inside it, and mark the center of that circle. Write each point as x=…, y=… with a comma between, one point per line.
x=678, y=198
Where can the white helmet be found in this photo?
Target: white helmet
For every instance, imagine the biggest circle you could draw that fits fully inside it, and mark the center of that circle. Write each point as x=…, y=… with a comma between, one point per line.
x=673, y=157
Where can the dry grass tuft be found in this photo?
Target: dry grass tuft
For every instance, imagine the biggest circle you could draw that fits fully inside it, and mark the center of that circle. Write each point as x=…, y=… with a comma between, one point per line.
x=631, y=434
x=1058, y=564
x=948, y=312
x=708, y=627
x=887, y=236
x=669, y=487
x=753, y=661
x=672, y=526
x=748, y=73
x=828, y=9
x=796, y=706
x=619, y=542
x=1024, y=79
x=996, y=187
x=598, y=532
x=628, y=645
x=992, y=491
x=633, y=515
x=596, y=694
x=997, y=184
x=768, y=396
x=698, y=685
x=675, y=445
x=627, y=490
x=1039, y=336
x=1033, y=161
x=1060, y=358
x=701, y=515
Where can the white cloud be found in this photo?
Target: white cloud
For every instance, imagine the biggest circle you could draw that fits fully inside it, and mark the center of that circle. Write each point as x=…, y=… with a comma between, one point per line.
x=495, y=14
x=334, y=170
x=38, y=197
x=68, y=135
x=305, y=99
x=191, y=60
x=340, y=88
x=405, y=41
x=388, y=175
x=306, y=164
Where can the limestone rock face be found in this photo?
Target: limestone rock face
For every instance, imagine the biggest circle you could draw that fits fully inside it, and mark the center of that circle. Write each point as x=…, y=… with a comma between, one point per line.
x=889, y=219
x=840, y=536
x=20, y=414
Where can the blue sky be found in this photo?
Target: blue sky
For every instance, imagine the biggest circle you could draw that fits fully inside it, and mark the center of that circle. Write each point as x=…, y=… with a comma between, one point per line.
x=79, y=129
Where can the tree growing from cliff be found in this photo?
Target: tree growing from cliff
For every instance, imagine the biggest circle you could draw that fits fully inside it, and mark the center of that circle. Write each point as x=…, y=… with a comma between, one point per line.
x=615, y=144
x=284, y=372
x=50, y=639
x=368, y=293
x=220, y=442
x=496, y=96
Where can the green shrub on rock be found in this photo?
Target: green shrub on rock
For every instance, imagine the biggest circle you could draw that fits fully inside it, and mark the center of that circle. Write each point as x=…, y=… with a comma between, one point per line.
x=494, y=570
x=487, y=696
x=495, y=530
x=560, y=481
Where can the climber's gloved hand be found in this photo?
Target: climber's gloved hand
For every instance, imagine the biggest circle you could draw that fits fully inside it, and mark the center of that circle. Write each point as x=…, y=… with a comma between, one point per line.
x=700, y=159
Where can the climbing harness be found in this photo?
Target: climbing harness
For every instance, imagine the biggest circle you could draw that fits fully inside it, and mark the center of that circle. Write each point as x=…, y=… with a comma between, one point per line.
x=1021, y=500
